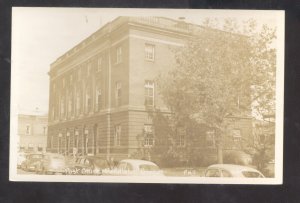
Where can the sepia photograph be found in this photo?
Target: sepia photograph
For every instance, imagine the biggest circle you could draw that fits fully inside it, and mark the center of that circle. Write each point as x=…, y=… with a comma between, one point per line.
x=147, y=95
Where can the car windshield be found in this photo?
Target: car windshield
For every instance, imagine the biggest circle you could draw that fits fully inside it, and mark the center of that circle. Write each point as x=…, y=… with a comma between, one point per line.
x=148, y=167
x=212, y=173
x=251, y=174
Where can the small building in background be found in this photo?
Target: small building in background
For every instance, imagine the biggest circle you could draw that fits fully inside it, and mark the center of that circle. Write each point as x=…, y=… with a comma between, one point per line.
x=32, y=132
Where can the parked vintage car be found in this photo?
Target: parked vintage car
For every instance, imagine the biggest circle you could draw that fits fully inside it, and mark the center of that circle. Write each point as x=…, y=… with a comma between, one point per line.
x=269, y=169
x=20, y=159
x=230, y=170
x=89, y=165
x=51, y=163
x=31, y=162
x=137, y=167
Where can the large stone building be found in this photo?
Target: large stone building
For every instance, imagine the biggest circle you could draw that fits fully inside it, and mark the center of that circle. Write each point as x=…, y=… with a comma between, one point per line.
x=32, y=132
x=101, y=91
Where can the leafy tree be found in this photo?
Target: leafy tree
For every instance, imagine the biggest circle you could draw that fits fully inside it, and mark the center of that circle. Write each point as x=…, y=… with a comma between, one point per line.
x=226, y=69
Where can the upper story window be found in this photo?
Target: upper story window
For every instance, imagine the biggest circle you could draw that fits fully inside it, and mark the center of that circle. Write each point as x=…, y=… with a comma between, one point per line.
x=70, y=104
x=62, y=107
x=118, y=93
x=119, y=55
x=89, y=67
x=98, y=99
x=45, y=130
x=237, y=138
x=117, y=138
x=79, y=73
x=210, y=138
x=28, y=130
x=99, y=64
x=88, y=101
x=149, y=52
x=40, y=147
x=63, y=82
x=149, y=93
x=78, y=103
x=30, y=146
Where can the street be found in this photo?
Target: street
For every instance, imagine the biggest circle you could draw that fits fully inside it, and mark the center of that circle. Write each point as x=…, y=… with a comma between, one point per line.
x=20, y=171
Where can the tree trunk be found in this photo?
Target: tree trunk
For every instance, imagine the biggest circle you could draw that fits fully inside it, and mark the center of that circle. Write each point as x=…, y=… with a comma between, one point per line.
x=219, y=145
x=220, y=153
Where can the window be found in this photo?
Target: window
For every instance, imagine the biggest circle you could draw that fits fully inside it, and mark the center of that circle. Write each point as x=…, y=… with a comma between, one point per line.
x=63, y=82
x=119, y=55
x=149, y=138
x=225, y=173
x=212, y=173
x=117, y=138
x=79, y=74
x=76, y=138
x=22, y=147
x=53, y=112
x=99, y=64
x=70, y=104
x=210, y=138
x=262, y=138
x=149, y=93
x=180, y=137
x=149, y=119
x=62, y=107
x=78, y=103
x=237, y=138
x=88, y=68
x=98, y=99
x=51, y=142
x=28, y=130
x=40, y=147
x=238, y=102
x=67, y=142
x=118, y=94
x=88, y=102
x=252, y=174
x=45, y=130
x=149, y=52
x=30, y=147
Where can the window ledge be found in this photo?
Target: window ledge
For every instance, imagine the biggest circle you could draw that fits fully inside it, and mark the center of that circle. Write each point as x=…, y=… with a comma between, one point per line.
x=149, y=60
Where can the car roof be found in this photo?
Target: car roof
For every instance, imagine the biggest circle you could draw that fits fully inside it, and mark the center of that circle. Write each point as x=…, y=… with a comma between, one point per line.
x=138, y=162
x=232, y=167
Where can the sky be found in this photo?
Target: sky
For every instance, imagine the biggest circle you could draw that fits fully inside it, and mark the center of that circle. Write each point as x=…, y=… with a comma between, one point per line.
x=41, y=35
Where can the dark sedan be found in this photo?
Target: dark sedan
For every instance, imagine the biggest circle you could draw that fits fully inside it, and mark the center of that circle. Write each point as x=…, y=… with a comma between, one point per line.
x=31, y=162
x=89, y=165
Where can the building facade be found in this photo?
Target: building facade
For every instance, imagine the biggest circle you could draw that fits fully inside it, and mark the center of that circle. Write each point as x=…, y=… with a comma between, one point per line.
x=102, y=90
x=32, y=133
